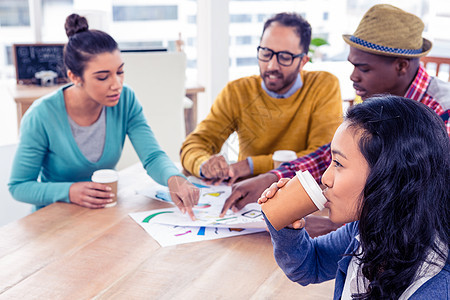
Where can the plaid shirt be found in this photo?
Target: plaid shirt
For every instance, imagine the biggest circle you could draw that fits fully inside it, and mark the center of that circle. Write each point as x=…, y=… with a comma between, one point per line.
x=317, y=162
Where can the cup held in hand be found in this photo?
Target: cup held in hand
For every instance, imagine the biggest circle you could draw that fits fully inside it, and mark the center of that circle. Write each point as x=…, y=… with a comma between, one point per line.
x=300, y=197
x=108, y=177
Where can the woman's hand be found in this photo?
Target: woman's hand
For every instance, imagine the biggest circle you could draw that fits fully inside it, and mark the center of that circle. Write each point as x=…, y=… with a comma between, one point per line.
x=184, y=194
x=272, y=190
x=90, y=194
x=298, y=224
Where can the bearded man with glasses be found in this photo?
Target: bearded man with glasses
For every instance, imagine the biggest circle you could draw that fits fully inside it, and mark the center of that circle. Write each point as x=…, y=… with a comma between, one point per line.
x=283, y=108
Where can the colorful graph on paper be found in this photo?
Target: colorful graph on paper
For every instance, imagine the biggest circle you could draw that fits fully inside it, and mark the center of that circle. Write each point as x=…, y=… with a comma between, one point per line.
x=207, y=211
x=168, y=235
x=169, y=227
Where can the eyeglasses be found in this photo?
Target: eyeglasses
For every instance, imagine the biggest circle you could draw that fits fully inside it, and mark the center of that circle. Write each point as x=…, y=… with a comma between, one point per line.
x=284, y=58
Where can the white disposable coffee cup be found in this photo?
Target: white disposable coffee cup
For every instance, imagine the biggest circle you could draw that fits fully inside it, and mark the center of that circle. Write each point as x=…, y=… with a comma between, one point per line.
x=300, y=197
x=110, y=178
x=281, y=156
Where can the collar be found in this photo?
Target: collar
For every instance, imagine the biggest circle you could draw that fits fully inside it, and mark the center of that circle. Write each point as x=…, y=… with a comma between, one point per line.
x=297, y=85
x=419, y=85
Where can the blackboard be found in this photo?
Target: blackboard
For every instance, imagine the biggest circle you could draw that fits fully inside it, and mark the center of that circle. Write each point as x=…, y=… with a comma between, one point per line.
x=32, y=58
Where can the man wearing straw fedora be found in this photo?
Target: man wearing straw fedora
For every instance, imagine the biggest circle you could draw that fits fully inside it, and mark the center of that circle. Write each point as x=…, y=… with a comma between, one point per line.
x=385, y=51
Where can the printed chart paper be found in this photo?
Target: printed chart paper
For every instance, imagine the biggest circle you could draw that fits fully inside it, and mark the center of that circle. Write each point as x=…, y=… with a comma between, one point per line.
x=169, y=226
x=207, y=211
x=168, y=235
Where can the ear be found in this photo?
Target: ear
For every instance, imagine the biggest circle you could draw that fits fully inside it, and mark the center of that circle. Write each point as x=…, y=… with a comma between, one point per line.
x=304, y=60
x=76, y=80
x=402, y=65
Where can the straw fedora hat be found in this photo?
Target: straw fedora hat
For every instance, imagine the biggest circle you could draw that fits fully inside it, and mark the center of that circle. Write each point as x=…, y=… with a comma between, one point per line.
x=388, y=30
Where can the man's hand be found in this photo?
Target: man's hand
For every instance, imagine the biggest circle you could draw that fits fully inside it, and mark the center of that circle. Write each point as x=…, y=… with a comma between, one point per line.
x=184, y=194
x=90, y=194
x=239, y=170
x=216, y=169
x=247, y=191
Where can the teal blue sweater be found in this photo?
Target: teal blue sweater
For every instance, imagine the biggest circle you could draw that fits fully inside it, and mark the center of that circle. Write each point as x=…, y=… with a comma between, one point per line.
x=48, y=160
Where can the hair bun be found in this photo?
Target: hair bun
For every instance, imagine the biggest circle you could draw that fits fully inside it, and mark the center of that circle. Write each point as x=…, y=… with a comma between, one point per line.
x=75, y=24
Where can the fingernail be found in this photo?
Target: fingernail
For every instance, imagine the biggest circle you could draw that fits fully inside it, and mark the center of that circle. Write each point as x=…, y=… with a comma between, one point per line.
x=111, y=195
x=108, y=188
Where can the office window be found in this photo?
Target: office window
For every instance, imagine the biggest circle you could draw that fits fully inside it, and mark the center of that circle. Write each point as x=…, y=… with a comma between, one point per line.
x=246, y=61
x=191, y=63
x=263, y=17
x=145, y=13
x=54, y=13
x=140, y=45
x=322, y=35
x=14, y=13
x=235, y=18
x=192, y=19
x=190, y=41
x=8, y=56
x=244, y=40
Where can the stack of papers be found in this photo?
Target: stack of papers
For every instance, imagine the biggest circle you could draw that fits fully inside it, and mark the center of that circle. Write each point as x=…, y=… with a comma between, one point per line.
x=170, y=227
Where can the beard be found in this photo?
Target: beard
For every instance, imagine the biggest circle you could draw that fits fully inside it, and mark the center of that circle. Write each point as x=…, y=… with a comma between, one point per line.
x=278, y=82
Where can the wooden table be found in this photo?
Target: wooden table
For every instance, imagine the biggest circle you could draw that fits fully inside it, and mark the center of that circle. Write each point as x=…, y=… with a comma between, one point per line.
x=64, y=251
x=25, y=95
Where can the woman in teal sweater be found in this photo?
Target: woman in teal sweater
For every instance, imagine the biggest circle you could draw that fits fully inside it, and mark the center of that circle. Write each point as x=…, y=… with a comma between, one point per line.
x=69, y=134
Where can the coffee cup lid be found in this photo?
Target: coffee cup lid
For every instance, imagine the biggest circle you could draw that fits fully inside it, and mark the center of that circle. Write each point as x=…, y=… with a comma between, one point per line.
x=284, y=155
x=312, y=188
x=105, y=176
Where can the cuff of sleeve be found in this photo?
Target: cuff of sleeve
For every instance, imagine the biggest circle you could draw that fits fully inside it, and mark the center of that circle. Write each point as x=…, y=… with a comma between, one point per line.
x=276, y=172
x=197, y=166
x=200, y=170
x=286, y=232
x=180, y=175
x=250, y=164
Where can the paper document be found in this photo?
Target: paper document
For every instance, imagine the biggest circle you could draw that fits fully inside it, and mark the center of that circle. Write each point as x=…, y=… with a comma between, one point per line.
x=170, y=227
x=207, y=210
x=168, y=235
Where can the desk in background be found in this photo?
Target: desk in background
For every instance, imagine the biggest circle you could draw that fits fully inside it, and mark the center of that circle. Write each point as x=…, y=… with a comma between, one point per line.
x=25, y=95
x=65, y=251
x=190, y=115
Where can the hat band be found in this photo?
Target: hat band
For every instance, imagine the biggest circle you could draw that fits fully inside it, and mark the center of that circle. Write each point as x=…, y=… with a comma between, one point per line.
x=370, y=45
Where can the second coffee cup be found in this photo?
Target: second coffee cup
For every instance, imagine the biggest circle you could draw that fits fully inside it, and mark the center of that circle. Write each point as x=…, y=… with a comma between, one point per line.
x=281, y=156
x=300, y=197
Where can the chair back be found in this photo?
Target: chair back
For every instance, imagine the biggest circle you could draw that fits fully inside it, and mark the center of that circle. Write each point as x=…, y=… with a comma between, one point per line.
x=10, y=209
x=158, y=79
x=439, y=62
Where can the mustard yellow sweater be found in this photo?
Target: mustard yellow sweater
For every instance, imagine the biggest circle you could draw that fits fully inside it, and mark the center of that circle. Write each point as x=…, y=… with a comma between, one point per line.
x=302, y=122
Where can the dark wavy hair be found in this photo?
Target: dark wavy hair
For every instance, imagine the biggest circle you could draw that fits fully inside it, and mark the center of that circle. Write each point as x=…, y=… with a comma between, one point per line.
x=301, y=26
x=404, y=210
x=84, y=44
